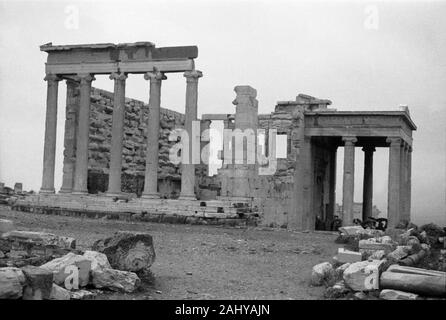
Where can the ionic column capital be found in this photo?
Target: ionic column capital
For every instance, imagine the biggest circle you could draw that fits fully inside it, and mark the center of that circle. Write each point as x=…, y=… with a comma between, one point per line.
x=193, y=75
x=50, y=77
x=349, y=141
x=84, y=78
x=154, y=76
x=407, y=147
x=120, y=76
x=394, y=141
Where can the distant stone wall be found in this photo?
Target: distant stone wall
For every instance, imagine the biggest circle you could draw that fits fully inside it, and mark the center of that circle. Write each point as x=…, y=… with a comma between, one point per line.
x=134, y=146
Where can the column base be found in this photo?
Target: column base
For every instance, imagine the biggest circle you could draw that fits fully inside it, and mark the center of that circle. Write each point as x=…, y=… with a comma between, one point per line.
x=65, y=191
x=187, y=197
x=155, y=195
x=47, y=191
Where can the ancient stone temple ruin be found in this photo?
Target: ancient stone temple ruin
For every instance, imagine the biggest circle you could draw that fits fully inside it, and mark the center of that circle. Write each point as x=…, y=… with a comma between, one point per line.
x=117, y=150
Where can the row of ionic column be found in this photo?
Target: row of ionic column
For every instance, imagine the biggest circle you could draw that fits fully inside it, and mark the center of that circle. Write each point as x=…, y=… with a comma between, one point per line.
x=77, y=183
x=399, y=181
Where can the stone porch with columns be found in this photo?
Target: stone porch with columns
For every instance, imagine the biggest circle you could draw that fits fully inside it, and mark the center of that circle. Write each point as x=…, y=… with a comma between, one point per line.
x=300, y=189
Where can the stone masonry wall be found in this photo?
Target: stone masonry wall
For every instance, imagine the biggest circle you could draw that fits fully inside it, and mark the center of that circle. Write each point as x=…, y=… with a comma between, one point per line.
x=275, y=193
x=134, y=145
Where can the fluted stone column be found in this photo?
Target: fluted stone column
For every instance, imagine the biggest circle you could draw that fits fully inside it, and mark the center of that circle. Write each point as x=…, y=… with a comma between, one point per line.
x=403, y=177
x=367, y=192
x=349, y=180
x=71, y=124
x=152, y=151
x=188, y=169
x=49, y=149
x=81, y=171
x=393, y=198
x=114, y=176
x=409, y=183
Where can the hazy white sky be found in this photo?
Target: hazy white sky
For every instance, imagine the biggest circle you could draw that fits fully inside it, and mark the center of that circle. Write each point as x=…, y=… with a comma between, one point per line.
x=361, y=55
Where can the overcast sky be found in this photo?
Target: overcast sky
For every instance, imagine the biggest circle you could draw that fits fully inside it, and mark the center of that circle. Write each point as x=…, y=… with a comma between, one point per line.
x=361, y=55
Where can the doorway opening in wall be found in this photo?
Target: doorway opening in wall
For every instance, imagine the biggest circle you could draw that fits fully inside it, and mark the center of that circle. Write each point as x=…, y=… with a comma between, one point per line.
x=215, y=145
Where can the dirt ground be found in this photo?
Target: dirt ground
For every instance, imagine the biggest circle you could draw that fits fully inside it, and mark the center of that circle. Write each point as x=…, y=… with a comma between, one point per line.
x=206, y=262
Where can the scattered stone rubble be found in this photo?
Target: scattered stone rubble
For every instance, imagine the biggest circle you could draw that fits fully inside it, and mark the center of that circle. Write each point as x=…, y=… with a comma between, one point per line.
x=398, y=264
x=44, y=266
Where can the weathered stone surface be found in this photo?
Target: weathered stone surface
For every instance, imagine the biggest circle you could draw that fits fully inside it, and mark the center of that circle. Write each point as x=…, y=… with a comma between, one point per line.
x=413, y=259
x=431, y=285
x=98, y=259
x=338, y=290
x=411, y=270
x=385, y=239
x=352, y=230
x=115, y=280
x=364, y=275
x=82, y=295
x=372, y=244
x=6, y=226
x=399, y=253
x=12, y=281
x=360, y=295
x=345, y=256
x=59, y=293
x=128, y=251
x=414, y=244
x=340, y=270
x=389, y=294
x=39, y=283
x=322, y=273
x=62, y=268
x=377, y=255
x=42, y=238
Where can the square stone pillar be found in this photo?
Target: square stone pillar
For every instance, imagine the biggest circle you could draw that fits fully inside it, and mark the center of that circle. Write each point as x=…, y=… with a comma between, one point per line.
x=187, y=167
x=49, y=149
x=349, y=180
x=114, y=176
x=71, y=124
x=205, y=126
x=81, y=170
x=153, y=128
x=332, y=186
x=393, y=198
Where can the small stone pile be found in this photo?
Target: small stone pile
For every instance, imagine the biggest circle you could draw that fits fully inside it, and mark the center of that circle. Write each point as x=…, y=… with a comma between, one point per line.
x=392, y=265
x=69, y=273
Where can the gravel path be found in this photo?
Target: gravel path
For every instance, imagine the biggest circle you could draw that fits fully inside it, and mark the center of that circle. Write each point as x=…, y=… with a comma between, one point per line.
x=206, y=262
